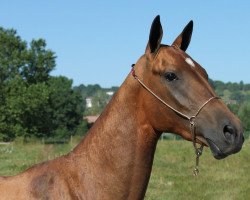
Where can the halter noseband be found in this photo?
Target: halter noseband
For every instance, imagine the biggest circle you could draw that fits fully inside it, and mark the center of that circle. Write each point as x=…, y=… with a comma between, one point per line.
x=191, y=119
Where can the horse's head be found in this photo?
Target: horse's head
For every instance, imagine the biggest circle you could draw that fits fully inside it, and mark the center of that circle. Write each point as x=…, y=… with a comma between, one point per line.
x=179, y=81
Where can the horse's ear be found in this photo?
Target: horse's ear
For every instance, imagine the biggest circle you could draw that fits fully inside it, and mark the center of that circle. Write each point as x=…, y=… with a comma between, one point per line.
x=183, y=40
x=155, y=36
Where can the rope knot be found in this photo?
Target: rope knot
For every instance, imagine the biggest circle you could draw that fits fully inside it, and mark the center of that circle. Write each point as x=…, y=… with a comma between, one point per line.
x=192, y=120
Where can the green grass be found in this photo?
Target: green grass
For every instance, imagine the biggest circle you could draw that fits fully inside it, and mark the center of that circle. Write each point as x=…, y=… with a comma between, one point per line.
x=15, y=158
x=171, y=177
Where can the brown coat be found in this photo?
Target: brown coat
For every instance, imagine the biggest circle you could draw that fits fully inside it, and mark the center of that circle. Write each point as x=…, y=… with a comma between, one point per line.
x=114, y=159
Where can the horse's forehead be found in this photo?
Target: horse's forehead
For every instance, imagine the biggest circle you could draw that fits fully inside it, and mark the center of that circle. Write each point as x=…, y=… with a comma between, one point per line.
x=189, y=61
x=175, y=58
x=168, y=55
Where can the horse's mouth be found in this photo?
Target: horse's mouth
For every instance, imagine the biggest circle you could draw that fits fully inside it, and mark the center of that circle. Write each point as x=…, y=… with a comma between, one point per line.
x=217, y=153
x=202, y=140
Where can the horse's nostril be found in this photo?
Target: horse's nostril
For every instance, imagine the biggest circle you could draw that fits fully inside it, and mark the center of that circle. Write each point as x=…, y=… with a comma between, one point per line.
x=229, y=133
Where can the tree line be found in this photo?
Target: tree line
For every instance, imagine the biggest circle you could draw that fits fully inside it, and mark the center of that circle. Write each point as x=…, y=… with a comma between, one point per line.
x=35, y=104
x=237, y=97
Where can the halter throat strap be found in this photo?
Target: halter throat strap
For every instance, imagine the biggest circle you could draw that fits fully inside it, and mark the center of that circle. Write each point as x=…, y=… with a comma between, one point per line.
x=191, y=119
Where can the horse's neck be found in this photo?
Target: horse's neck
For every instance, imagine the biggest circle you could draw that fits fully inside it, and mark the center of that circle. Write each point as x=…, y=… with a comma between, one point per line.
x=120, y=146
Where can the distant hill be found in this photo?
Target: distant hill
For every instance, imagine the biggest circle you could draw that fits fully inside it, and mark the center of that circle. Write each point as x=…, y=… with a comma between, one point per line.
x=97, y=96
x=231, y=93
x=235, y=95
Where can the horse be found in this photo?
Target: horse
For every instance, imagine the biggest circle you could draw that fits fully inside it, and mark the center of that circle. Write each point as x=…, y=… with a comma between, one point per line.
x=166, y=91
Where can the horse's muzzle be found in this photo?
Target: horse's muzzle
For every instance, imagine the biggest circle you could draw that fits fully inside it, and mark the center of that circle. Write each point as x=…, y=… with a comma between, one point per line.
x=231, y=143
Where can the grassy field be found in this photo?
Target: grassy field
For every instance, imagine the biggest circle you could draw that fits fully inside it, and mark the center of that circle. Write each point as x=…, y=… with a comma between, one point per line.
x=224, y=179
x=172, y=171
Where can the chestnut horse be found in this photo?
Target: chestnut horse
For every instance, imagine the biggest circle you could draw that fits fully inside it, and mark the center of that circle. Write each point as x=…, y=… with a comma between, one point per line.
x=166, y=91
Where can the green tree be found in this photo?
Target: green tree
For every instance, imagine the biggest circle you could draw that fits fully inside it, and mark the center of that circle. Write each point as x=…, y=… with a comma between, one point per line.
x=244, y=115
x=237, y=95
x=233, y=86
x=234, y=108
x=246, y=87
x=219, y=87
x=32, y=102
x=39, y=62
x=12, y=53
x=66, y=107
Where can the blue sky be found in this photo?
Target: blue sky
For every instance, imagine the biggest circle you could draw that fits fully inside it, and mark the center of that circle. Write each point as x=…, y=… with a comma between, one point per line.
x=96, y=42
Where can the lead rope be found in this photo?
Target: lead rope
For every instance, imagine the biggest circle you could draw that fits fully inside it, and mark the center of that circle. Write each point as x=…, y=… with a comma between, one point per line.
x=198, y=150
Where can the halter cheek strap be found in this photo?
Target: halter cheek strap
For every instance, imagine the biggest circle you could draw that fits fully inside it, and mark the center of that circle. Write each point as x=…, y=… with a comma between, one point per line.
x=191, y=119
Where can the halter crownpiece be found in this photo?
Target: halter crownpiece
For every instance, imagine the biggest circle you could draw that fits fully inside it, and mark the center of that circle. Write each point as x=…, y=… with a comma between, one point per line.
x=192, y=123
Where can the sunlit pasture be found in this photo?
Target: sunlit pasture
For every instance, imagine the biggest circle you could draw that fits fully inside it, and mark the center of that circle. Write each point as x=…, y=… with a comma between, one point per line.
x=171, y=177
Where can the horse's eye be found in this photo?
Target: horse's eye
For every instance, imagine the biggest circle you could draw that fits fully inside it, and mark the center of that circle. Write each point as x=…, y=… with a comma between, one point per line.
x=170, y=76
